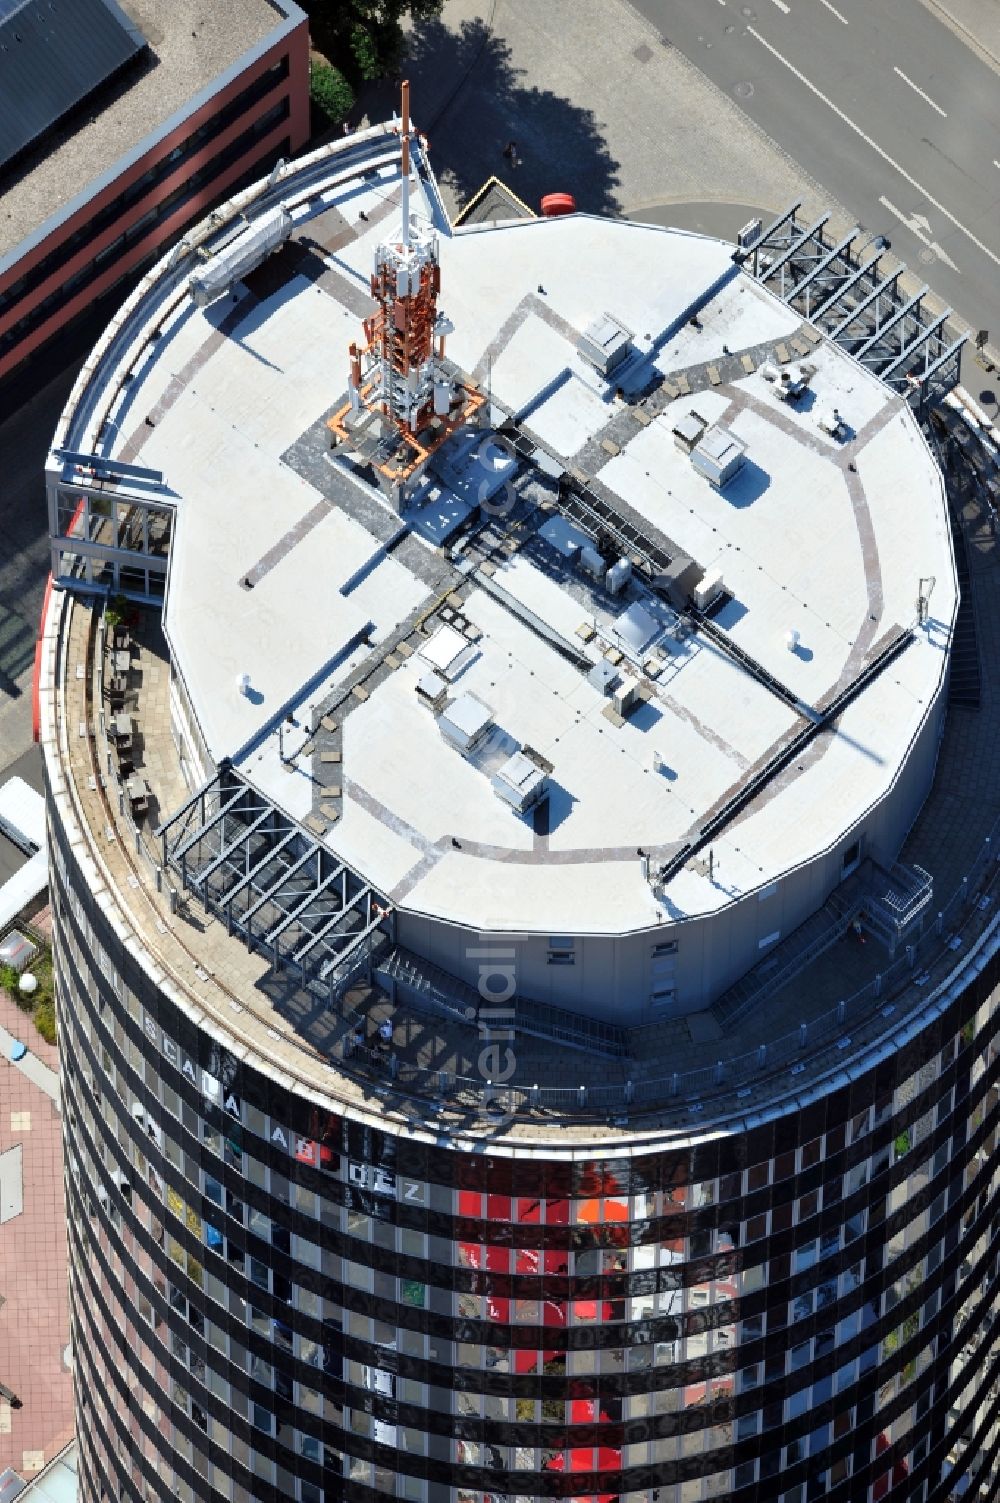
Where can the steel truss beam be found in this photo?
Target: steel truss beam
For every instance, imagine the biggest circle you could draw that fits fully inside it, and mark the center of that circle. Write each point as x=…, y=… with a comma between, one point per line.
x=268, y=895
x=198, y=842
x=312, y=896
x=826, y=273
x=915, y=344
x=355, y=943
x=795, y=246
x=886, y=288
x=845, y=287
x=321, y=934
x=180, y=851
x=198, y=797
x=821, y=266
x=253, y=871
x=911, y=307
x=234, y=845
x=951, y=353
x=770, y=237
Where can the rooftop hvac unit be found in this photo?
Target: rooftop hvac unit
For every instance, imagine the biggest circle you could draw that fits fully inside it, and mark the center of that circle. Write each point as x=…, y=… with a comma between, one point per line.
x=708, y=588
x=794, y=381
x=465, y=722
x=432, y=690
x=605, y=343
x=749, y=234
x=564, y=537
x=626, y=696
x=16, y=950
x=618, y=576
x=635, y=629
x=719, y=456
x=591, y=562
x=603, y=676
x=522, y=780
x=688, y=431
x=832, y=423
x=677, y=580
x=242, y=255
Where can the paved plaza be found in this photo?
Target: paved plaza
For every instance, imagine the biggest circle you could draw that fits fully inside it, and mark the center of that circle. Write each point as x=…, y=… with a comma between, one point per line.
x=34, y=1302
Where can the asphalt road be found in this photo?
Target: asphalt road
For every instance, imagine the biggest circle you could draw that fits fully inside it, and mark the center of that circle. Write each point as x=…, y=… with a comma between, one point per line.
x=885, y=107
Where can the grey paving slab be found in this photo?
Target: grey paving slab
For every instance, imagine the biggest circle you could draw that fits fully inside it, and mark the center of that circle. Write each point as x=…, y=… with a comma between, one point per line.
x=31, y=1067
x=11, y=1184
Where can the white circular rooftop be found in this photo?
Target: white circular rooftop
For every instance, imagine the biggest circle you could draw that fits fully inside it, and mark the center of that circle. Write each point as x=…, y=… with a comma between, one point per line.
x=527, y=734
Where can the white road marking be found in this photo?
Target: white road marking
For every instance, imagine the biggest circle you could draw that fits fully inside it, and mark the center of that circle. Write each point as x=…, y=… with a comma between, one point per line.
x=917, y=90
x=920, y=225
x=943, y=256
x=833, y=9
x=995, y=162
x=782, y=6
x=875, y=147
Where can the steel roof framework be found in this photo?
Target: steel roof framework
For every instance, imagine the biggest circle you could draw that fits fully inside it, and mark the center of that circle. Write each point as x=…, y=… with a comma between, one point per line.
x=271, y=882
x=858, y=304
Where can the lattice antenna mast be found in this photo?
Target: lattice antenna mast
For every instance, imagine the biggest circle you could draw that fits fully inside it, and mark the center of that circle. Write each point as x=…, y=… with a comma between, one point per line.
x=405, y=339
x=405, y=140
x=403, y=397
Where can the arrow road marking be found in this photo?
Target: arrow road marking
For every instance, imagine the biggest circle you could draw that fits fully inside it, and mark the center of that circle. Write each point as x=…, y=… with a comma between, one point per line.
x=917, y=90
x=875, y=146
x=920, y=227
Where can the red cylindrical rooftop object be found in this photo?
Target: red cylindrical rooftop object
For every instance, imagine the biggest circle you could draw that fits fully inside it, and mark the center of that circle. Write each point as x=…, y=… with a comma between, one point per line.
x=558, y=203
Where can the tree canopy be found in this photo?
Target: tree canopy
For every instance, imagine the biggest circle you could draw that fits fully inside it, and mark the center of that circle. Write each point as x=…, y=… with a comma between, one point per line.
x=364, y=38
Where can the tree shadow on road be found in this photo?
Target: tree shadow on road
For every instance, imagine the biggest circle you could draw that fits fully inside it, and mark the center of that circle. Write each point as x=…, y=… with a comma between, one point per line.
x=31, y=400
x=470, y=99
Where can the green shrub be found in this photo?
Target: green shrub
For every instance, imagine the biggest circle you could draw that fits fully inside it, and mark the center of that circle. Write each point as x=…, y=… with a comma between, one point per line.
x=45, y=1020
x=39, y=1004
x=117, y=611
x=330, y=92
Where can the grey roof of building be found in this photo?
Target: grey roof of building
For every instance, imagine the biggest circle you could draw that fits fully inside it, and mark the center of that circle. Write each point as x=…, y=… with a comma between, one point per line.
x=492, y=203
x=53, y=54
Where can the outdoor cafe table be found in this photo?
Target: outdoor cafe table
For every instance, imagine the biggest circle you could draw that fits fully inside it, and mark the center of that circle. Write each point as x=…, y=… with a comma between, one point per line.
x=137, y=789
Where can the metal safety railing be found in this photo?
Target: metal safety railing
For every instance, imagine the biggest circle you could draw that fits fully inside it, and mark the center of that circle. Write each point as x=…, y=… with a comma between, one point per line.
x=826, y=1039
x=902, y=984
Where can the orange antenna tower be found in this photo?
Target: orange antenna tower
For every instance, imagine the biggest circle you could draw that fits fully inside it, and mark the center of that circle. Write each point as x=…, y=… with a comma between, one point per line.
x=404, y=398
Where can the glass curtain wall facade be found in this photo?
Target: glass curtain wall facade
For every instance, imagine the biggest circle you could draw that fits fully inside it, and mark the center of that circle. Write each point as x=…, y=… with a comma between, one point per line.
x=271, y=1300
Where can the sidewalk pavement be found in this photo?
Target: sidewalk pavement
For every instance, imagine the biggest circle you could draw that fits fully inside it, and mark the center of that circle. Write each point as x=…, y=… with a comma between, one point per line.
x=34, y=1298
x=977, y=22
